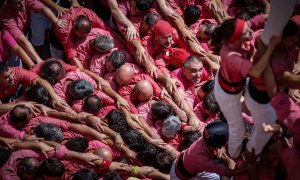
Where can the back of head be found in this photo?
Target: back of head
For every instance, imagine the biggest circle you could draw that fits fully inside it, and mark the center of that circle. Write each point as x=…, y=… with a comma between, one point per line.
x=85, y=174
x=147, y=154
x=188, y=139
x=4, y=155
x=223, y=32
x=253, y=10
x=144, y=5
x=79, y=89
x=92, y=103
x=29, y=166
x=216, y=134
x=20, y=114
x=151, y=19
x=112, y=176
x=49, y=132
x=208, y=86
x=104, y=43
x=210, y=28
x=3, y=67
x=38, y=94
x=117, y=121
x=143, y=90
x=77, y=144
x=52, y=71
x=171, y=126
x=125, y=74
x=117, y=58
x=133, y=139
x=164, y=161
x=161, y=110
x=82, y=24
x=210, y=103
x=192, y=14
x=104, y=153
x=52, y=167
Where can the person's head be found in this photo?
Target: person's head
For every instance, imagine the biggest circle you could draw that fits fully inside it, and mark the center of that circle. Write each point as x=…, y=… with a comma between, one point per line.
x=133, y=139
x=171, y=126
x=210, y=104
x=143, y=90
x=85, y=174
x=4, y=155
x=290, y=34
x=104, y=153
x=235, y=31
x=52, y=71
x=207, y=87
x=163, y=33
x=112, y=176
x=49, y=132
x=164, y=161
x=6, y=76
x=51, y=169
x=147, y=154
x=206, y=30
x=144, y=5
x=177, y=57
x=124, y=74
x=116, y=121
x=188, y=139
x=82, y=26
x=20, y=115
x=77, y=144
x=161, y=110
x=79, y=89
x=38, y=94
x=216, y=134
x=28, y=168
x=92, y=104
x=115, y=60
x=192, y=14
x=192, y=69
x=102, y=44
x=17, y=5
x=149, y=21
x=253, y=10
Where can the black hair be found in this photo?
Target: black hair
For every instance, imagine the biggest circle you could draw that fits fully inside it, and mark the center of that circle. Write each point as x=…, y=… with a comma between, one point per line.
x=164, y=161
x=112, y=176
x=161, y=109
x=210, y=28
x=19, y=114
x=3, y=67
x=77, y=144
x=144, y=5
x=117, y=58
x=133, y=139
x=244, y=15
x=208, y=86
x=104, y=43
x=192, y=14
x=52, y=167
x=38, y=94
x=4, y=155
x=51, y=70
x=92, y=103
x=49, y=132
x=147, y=154
x=79, y=89
x=210, y=103
x=188, y=139
x=117, y=121
x=151, y=19
x=290, y=29
x=80, y=20
x=30, y=165
x=85, y=174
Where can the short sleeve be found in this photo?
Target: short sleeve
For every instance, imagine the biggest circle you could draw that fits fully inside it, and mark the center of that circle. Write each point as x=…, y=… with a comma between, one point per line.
x=35, y=5
x=9, y=41
x=24, y=76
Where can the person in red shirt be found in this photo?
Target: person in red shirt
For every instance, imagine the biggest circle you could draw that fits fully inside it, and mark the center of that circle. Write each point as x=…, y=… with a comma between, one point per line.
x=15, y=18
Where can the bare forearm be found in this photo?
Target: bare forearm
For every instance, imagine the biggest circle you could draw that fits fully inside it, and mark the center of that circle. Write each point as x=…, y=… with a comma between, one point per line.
x=49, y=14
x=27, y=46
x=4, y=108
x=270, y=81
x=23, y=55
x=117, y=13
x=85, y=130
x=47, y=86
x=50, y=4
x=158, y=175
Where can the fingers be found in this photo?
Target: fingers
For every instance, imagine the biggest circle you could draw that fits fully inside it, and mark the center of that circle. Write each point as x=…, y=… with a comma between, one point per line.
x=44, y=153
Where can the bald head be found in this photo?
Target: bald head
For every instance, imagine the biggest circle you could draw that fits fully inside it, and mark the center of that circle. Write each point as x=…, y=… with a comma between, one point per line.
x=125, y=74
x=82, y=26
x=104, y=153
x=144, y=90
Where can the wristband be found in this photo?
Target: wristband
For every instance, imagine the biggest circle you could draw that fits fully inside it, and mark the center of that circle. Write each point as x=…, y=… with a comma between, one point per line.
x=135, y=171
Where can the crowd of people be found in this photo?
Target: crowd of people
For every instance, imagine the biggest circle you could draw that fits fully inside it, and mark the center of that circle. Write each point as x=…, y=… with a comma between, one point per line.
x=149, y=89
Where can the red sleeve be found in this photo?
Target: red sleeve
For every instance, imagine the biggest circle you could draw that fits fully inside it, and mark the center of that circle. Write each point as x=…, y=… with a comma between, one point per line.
x=35, y=5
x=9, y=41
x=24, y=76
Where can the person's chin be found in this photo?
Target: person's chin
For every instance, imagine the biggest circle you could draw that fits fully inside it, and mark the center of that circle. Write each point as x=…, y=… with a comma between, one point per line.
x=167, y=45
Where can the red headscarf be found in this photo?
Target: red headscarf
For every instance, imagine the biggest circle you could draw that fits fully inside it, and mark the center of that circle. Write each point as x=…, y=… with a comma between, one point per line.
x=162, y=28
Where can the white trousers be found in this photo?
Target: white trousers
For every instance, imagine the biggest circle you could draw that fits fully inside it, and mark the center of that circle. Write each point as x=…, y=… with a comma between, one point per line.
x=261, y=113
x=280, y=12
x=231, y=107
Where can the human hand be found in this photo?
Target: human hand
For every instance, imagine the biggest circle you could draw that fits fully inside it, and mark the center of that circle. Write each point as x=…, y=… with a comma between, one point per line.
x=120, y=101
x=59, y=103
x=131, y=33
x=152, y=70
x=60, y=11
x=118, y=141
x=95, y=123
x=9, y=141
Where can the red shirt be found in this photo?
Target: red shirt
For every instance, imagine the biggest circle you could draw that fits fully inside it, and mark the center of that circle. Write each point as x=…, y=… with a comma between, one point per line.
x=21, y=77
x=7, y=43
x=66, y=35
x=8, y=130
x=17, y=22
